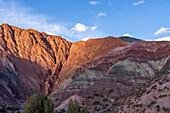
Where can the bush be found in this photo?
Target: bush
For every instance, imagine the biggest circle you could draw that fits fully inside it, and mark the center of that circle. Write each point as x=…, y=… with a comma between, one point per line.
x=160, y=90
x=96, y=94
x=111, y=90
x=105, y=100
x=84, y=110
x=151, y=103
x=138, y=105
x=96, y=102
x=161, y=96
x=39, y=104
x=13, y=108
x=157, y=108
x=73, y=107
x=154, y=87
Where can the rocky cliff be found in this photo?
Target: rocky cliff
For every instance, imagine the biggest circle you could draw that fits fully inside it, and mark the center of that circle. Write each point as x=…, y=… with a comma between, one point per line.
x=31, y=57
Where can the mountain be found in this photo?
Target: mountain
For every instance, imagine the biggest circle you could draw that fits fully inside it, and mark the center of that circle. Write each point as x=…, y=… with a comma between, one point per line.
x=99, y=73
x=35, y=62
x=114, y=76
x=129, y=39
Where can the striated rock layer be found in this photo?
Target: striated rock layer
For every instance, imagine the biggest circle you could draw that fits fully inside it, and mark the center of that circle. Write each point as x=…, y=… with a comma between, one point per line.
x=32, y=57
x=116, y=75
x=35, y=62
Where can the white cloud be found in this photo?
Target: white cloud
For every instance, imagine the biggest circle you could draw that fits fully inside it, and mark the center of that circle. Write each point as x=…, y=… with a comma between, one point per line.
x=138, y=3
x=85, y=39
x=162, y=30
x=80, y=27
x=166, y=38
x=94, y=2
x=127, y=34
x=15, y=14
x=94, y=28
x=101, y=14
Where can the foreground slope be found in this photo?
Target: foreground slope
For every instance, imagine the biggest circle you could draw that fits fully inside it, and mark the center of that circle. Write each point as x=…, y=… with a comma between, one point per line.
x=113, y=77
x=154, y=97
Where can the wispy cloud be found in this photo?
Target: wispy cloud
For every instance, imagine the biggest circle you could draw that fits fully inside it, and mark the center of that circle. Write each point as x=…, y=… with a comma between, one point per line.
x=162, y=30
x=94, y=2
x=15, y=14
x=138, y=3
x=101, y=14
x=166, y=38
x=93, y=28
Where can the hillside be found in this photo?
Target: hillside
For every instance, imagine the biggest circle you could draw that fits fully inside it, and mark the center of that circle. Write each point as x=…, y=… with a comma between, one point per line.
x=114, y=76
x=152, y=97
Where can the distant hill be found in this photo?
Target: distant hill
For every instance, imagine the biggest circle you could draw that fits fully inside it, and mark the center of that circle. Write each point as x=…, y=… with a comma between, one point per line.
x=129, y=39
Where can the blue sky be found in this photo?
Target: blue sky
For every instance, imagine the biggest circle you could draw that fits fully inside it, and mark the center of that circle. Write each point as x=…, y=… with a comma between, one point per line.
x=77, y=20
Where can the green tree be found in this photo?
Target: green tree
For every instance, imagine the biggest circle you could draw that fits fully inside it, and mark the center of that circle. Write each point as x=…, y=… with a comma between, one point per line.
x=39, y=104
x=74, y=107
x=84, y=110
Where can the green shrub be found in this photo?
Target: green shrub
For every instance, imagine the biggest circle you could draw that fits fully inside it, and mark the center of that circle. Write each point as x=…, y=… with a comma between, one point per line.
x=105, y=100
x=73, y=107
x=148, y=92
x=96, y=103
x=154, y=87
x=160, y=83
x=13, y=108
x=101, y=95
x=160, y=90
x=56, y=99
x=161, y=96
x=111, y=90
x=151, y=103
x=96, y=94
x=157, y=108
x=138, y=105
x=166, y=109
x=39, y=104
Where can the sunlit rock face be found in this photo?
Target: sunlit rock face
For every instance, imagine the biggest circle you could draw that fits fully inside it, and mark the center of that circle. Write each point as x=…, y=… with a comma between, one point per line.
x=31, y=59
x=122, y=70
x=35, y=62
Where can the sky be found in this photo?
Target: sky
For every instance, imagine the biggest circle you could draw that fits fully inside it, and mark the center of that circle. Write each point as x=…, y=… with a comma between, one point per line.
x=77, y=20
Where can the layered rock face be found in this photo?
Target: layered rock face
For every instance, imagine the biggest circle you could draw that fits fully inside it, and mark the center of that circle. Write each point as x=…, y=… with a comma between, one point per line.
x=34, y=59
x=116, y=75
x=153, y=97
x=83, y=52
x=35, y=62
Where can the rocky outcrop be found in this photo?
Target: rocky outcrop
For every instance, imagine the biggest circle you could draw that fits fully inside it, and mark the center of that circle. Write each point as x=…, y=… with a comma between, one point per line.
x=129, y=39
x=116, y=75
